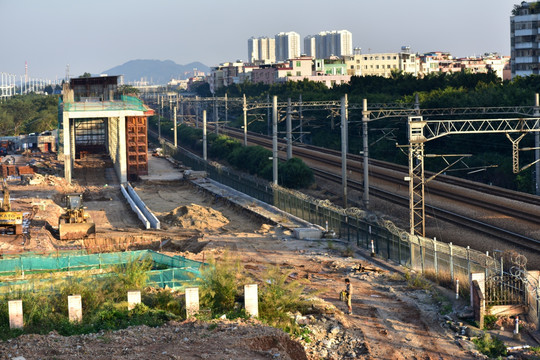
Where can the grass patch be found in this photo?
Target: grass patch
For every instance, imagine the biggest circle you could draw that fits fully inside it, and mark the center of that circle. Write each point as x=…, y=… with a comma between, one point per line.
x=490, y=346
x=104, y=304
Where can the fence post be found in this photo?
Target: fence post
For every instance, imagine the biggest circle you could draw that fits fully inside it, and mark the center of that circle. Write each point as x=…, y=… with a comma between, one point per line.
x=435, y=257
x=451, y=261
x=468, y=261
x=421, y=254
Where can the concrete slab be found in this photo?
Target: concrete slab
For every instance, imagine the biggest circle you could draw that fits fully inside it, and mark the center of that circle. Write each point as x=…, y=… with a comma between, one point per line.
x=161, y=169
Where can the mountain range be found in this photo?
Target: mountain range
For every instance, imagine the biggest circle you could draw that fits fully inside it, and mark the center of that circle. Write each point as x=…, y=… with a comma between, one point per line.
x=155, y=71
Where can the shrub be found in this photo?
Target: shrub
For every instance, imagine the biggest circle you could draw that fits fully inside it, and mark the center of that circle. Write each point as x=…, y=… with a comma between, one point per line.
x=221, y=284
x=490, y=346
x=279, y=297
x=295, y=174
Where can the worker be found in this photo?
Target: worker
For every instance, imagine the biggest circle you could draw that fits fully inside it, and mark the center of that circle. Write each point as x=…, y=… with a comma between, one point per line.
x=348, y=295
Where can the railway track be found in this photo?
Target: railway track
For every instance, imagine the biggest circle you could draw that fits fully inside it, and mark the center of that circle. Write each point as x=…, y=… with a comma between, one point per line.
x=395, y=173
x=444, y=187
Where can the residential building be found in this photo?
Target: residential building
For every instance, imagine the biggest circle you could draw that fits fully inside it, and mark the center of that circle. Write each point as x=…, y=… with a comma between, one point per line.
x=261, y=49
x=525, y=39
x=225, y=74
x=329, y=43
x=333, y=66
x=287, y=45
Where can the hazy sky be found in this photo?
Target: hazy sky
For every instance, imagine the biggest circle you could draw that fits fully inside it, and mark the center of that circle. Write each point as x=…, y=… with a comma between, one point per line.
x=92, y=36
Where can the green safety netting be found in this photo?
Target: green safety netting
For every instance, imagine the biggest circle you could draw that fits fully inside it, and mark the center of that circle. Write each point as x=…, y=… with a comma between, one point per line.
x=124, y=103
x=175, y=271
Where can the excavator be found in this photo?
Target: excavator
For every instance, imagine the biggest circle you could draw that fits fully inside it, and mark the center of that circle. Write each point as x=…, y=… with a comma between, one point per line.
x=75, y=223
x=10, y=221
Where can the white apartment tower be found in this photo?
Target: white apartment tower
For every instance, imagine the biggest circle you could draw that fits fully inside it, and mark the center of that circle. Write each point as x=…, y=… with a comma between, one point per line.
x=287, y=46
x=525, y=39
x=262, y=48
x=329, y=43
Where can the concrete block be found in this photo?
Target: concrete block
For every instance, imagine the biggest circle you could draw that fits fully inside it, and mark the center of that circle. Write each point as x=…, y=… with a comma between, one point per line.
x=15, y=314
x=192, y=302
x=251, y=300
x=308, y=233
x=134, y=298
x=75, y=308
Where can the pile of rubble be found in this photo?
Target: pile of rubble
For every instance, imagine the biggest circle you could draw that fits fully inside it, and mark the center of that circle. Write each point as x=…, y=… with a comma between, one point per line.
x=194, y=216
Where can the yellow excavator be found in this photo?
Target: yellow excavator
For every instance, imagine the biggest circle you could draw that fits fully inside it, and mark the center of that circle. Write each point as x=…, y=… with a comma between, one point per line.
x=10, y=221
x=75, y=223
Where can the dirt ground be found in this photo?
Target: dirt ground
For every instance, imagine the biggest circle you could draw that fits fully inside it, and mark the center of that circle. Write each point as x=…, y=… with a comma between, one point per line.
x=390, y=320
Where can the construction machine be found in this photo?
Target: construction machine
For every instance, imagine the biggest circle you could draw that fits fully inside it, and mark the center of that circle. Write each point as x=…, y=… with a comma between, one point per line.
x=75, y=222
x=10, y=221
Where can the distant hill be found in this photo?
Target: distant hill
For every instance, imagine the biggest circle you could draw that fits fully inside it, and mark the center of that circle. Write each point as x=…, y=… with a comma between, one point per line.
x=155, y=71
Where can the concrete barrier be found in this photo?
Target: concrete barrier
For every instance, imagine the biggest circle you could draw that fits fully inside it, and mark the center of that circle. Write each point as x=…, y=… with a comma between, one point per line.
x=154, y=222
x=135, y=208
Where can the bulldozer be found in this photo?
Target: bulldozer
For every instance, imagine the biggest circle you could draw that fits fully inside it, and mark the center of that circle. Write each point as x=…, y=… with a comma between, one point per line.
x=75, y=223
x=10, y=221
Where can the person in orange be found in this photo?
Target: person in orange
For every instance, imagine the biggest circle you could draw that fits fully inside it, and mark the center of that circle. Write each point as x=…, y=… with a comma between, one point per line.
x=348, y=294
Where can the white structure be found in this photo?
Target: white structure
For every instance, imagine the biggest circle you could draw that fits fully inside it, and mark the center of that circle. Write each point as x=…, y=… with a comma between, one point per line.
x=261, y=49
x=524, y=27
x=287, y=46
x=329, y=43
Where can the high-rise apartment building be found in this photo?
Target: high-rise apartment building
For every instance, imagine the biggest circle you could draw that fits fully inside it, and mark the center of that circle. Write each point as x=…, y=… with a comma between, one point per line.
x=329, y=43
x=287, y=45
x=261, y=49
x=525, y=39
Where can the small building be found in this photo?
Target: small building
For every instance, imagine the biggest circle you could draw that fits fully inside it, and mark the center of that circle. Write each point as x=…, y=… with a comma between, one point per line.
x=95, y=118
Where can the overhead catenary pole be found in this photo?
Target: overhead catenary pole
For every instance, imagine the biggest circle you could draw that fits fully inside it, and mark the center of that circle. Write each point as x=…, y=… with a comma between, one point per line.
x=537, y=145
x=289, y=130
x=365, y=119
x=175, y=130
x=300, y=115
x=216, y=118
x=268, y=120
x=160, y=101
x=344, y=136
x=204, y=135
x=244, y=107
x=274, y=141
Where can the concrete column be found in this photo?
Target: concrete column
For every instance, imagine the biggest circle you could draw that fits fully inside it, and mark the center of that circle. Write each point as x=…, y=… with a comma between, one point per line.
x=75, y=308
x=251, y=300
x=192, y=302
x=67, y=147
x=122, y=150
x=134, y=298
x=15, y=314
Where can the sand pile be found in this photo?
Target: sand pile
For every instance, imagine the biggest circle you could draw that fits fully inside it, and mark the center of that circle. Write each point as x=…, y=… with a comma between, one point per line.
x=195, y=216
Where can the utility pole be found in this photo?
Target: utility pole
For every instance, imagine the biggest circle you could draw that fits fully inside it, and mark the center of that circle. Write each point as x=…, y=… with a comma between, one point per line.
x=216, y=118
x=289, y=130
x=204, y=135
x=274, y=141
x=344, y=140
x=244, y=107
x=365, y=119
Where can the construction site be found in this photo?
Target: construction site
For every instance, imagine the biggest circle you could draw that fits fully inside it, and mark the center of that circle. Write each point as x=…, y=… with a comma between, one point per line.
x=103, y=193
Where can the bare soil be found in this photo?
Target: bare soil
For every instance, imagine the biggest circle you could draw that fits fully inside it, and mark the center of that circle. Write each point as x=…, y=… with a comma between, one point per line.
x=390, y=320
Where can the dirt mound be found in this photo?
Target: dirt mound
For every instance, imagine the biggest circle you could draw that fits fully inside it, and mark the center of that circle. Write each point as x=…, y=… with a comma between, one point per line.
x=195, y=217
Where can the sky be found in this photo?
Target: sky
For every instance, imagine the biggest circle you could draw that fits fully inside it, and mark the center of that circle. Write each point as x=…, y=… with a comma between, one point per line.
x=93, y=36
